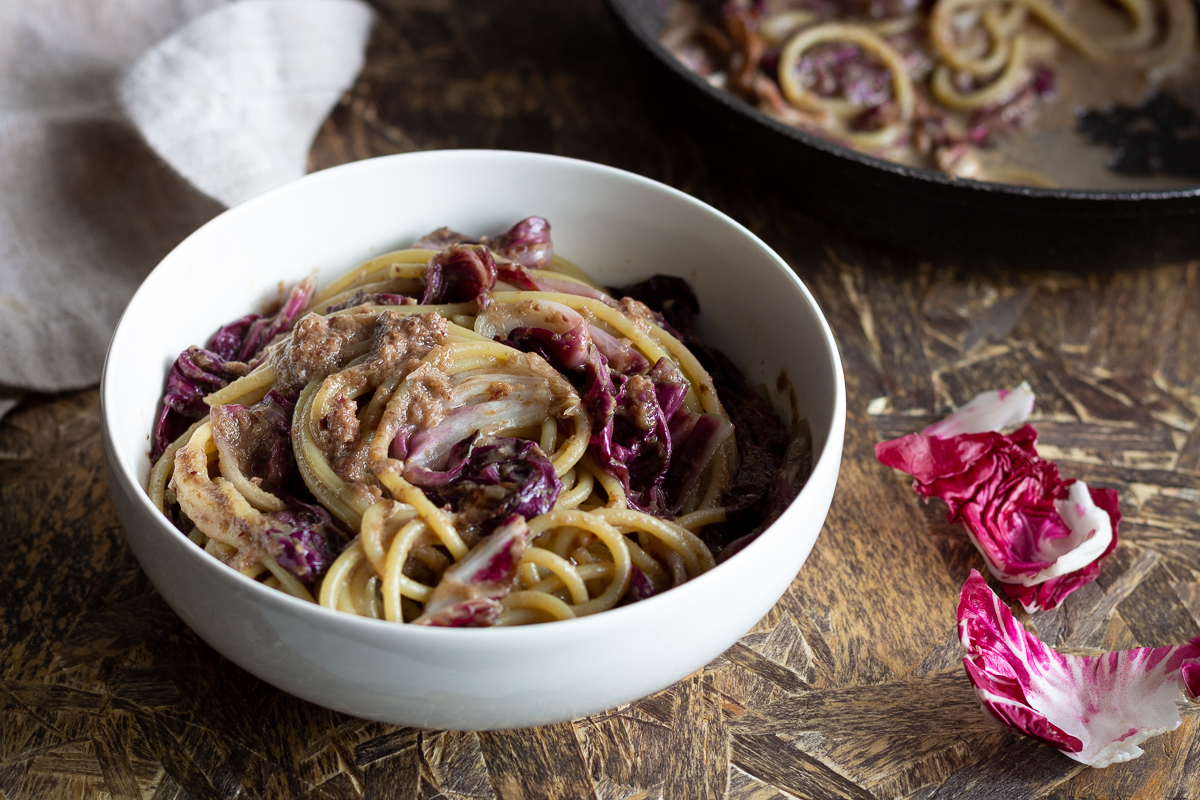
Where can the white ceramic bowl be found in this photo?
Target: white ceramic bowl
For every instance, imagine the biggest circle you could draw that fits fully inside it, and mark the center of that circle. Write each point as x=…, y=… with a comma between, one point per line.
x=618, y=226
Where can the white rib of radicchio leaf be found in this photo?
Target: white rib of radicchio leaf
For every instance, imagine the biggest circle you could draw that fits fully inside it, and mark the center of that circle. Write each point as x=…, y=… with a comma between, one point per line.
x=1096, y=709
x=987, y=411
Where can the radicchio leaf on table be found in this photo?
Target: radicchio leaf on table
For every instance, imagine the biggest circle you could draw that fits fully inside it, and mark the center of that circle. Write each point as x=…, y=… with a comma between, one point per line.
x=988, y=411
x=1008, y=500
x=1095, y=709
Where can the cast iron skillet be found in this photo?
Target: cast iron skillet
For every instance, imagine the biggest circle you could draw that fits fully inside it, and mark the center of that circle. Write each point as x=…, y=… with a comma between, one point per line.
x=924, y=212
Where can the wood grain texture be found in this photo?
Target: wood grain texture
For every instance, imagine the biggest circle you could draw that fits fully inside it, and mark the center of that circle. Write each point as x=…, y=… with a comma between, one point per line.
x=851, y=687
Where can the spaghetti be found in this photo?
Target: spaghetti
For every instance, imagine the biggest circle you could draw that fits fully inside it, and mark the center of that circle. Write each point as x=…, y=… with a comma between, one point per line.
x=468, y=433
x=931, y=84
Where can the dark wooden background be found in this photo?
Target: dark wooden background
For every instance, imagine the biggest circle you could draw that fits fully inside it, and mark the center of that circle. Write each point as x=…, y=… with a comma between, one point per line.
x=852, y=687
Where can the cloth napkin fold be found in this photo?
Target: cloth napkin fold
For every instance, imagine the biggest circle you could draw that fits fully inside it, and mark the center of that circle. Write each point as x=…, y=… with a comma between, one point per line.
x=116, y=143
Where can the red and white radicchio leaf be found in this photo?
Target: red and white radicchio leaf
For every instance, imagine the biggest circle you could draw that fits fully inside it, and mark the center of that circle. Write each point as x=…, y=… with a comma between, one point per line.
x=1040, y=536
x=1096, y=709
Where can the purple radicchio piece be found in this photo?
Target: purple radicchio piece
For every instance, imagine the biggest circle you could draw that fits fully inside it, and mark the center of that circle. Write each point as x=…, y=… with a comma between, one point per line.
x=514, y=274
x=469, y=593
x=227, y=341
x=696, y=438
x=427, y=452
x=549, y=283
x=258, y=438
x=1012, y=504
x=1040, y=536
x=459, y=274
x=198, y=372
x=304, y=540
x=621, y=355
x=1095, y=709
x=845, y=70
x=262, y=331
x=640, y=586
x=518, y=276
x=494, y=477
x=574, y=354
x=527, y=243
x=638, y=439
x=194, y=375
x=635, y=448
x=568, y=351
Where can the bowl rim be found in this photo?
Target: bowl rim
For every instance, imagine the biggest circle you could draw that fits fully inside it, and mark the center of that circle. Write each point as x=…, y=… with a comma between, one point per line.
x=125, y=473
x=622, y=9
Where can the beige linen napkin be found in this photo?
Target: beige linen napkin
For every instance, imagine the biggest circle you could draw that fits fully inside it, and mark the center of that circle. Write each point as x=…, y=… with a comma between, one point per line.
x=230, y=99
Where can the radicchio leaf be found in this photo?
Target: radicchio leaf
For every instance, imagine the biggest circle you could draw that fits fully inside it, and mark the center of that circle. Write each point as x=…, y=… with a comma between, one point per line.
x=258, y=437
x=620, y=353
x=494, y=477
x=762, y=441
x=565, y=351
x=428, y=451
x=227, y=341
x=469, y=593
x=1008, y=499
x=304, y=540
x=198, y=372
x=261, y=331
x=460, y=273
x=640, y=586
x=1096, y=709
x=987, y=411
x=635, y=434
x=527, y=243
x=194, y=375
x=793, y=473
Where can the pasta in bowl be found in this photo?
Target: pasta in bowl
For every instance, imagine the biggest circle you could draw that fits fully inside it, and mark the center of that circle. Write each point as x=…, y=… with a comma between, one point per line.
x=467, y=465
x=467, y=434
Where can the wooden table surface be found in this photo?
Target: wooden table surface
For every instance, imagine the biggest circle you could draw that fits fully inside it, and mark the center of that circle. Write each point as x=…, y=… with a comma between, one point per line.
x=852, y=687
